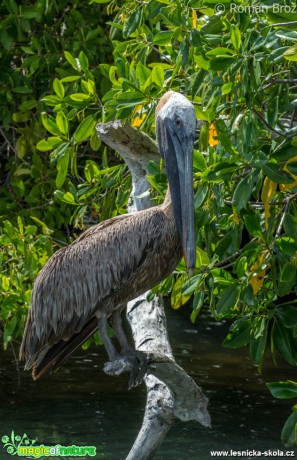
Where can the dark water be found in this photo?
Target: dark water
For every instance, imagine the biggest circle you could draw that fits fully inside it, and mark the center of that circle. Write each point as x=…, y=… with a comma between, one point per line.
x=80, y=405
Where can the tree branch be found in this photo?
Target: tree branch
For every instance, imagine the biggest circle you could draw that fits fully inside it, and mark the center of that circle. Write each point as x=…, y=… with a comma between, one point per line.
x=171, y=393
x=281, y=24
x=284, y=211
x=276, y=131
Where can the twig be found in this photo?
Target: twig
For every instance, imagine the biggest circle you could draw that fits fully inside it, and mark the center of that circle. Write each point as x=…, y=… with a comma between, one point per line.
x=16, y=364
x=7, y=140
x=284, y=211
x=292, y=119
x=280, y=80
x=280, y=24
x=279, y=133
x=157, y=51
x=233, y=256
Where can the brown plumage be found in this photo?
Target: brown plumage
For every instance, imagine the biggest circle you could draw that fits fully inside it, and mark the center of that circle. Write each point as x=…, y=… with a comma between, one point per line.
x=108, y=265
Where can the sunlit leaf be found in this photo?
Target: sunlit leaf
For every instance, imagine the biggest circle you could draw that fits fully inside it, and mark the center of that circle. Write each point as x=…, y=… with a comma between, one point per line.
x=85, y=129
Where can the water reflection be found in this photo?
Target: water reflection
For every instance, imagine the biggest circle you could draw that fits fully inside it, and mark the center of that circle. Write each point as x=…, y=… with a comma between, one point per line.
x=81, y=405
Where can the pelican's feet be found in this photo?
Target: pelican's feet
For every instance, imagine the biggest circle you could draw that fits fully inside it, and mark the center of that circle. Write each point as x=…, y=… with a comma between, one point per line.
x=133, y=361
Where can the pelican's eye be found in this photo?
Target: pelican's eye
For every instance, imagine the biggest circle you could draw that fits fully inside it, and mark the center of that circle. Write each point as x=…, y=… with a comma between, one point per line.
x=178, y=122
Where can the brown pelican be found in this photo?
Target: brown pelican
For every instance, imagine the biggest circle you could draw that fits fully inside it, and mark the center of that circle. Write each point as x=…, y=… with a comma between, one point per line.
x=111, y=263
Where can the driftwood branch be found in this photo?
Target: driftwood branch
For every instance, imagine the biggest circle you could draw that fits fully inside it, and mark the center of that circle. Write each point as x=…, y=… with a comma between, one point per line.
x=171, y=393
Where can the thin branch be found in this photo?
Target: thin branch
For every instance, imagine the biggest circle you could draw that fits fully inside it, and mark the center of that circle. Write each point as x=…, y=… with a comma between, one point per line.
x=259, y=115
x=292, y=119
x=7, y=140
x=284, y=211
x=280, y=24
x=16, y=364
x=280, y=80
x=157, y=51
x=233, y=256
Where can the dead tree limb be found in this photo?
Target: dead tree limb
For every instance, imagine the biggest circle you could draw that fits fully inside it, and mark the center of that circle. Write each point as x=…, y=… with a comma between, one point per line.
x=171, y=393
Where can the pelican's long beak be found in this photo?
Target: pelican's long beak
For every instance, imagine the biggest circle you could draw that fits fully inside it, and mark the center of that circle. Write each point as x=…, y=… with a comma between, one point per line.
x=176, y=147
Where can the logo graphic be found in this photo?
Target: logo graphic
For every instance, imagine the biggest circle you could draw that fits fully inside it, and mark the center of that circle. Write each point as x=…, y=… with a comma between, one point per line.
x=12, y=443
x=23, y=446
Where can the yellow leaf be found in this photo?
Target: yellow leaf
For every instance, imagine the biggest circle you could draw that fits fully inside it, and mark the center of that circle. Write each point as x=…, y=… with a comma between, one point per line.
x=257, y=274
x=294, y=184
x=268, y=191
x=138, y=118
x=235, y=218
x=177, y=299
x=194, y=19
x=212, y=134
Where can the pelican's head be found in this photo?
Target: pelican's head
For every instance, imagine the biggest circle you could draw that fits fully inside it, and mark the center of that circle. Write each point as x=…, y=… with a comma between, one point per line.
x=176, y=128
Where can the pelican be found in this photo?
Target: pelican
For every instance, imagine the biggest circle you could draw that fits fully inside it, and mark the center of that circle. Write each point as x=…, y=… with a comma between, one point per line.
x=90, y=281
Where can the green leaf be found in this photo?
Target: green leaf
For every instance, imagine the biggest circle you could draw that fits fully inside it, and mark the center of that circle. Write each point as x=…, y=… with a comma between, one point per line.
x=275, y=173
x=292, y=167
x=285, y=343
x=49, y=144
x=202, y=258
x=95, y=141
x=70, y=79
x=157, y=76
x=289, y=431
x=253, y=225
x=290, y=226
x=8, y=330
x=228, y=299
x=6, y=39
x=85, y=129
x=243, y=192
x=227, y=88
x=235, y=37
x=45, y=229
x=163, y=38
x=287, y=314
x=190, y=285
x=22, y=90
x=62, y=167
x=132, y=23
x=65, y=197
x=199, y=162
x=200, y=195
x=288, y=273
x=83, y=61
x=226, y=52
x=79, y=97
x=59, y=88
x=196, y=38
x=50, y=124
x=51, y=100
x=283, y=390
x=72, y=61
x=204, y=115
x=258, y=346
x=62, y=122
x=240, y=334
x=224, y=137
x=142, y=73
x=291, y=53
x=197, y=305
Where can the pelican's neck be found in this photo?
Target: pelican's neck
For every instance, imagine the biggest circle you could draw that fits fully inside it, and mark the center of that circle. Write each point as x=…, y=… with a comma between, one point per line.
x=167, y=201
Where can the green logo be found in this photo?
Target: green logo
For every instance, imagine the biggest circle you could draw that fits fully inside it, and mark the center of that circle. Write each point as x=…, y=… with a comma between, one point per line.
x=12, y=443
x=23, y=446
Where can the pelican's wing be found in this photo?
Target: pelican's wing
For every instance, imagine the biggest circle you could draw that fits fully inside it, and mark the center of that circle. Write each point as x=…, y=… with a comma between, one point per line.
x=78, y=279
